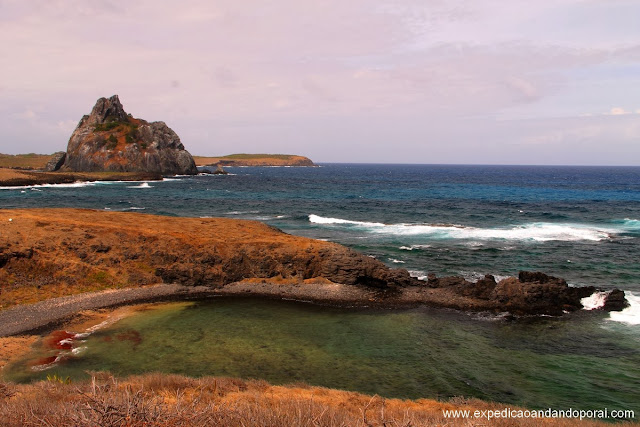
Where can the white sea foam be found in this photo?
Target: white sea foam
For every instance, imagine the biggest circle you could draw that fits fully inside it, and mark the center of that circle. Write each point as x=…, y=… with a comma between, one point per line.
x=474, y=276
x=396, y=261
x=135, y=208
x=39, y=186
x=414, y=247
x=241, y=212
x=594, y=301
x=632, y=224
x=78, y=350
x=537, y=231
x=631, y=314
x=66, y=341
x=420, y=275
x=322, y=220
x=143, y=185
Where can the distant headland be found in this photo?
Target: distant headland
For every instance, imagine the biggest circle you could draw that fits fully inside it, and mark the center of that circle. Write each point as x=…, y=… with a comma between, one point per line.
x=254, y=160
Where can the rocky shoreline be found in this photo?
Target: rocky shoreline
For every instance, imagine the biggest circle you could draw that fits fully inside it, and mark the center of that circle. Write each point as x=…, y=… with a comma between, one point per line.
x=49, y=314
x=21, y=178
x=47, y=253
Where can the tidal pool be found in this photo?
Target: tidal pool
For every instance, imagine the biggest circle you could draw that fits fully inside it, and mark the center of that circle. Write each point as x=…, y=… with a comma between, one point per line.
x=581, y=362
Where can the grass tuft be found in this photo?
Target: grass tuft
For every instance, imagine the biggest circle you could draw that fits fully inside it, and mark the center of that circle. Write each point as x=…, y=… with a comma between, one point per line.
x=174, y=400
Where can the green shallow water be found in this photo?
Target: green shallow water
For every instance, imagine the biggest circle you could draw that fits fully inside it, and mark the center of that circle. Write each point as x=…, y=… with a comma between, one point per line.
x=581, y=362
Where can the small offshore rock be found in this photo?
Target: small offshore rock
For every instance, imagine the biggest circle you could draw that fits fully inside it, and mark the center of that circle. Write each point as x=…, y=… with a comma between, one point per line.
x=56, y=162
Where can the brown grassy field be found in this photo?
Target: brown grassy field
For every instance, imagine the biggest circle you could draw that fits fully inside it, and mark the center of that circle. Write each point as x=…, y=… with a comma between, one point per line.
x=172, y=400
x=55, y=252
x=24, y=161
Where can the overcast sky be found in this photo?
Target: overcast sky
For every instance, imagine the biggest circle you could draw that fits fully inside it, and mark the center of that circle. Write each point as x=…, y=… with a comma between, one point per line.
x=396, y=81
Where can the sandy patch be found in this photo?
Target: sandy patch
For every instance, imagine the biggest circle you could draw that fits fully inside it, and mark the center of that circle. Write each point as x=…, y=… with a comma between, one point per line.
x=14, y=348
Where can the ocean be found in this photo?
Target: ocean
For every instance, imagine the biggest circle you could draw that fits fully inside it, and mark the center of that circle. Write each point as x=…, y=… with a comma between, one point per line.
x=578, y=223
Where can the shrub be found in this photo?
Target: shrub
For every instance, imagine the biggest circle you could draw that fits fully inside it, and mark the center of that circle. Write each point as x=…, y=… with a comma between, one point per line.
x=101, y=127
x=132, y=136
x=58, y=379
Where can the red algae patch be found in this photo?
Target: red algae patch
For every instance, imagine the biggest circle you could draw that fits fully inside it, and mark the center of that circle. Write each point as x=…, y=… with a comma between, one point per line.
x=64, y=344
x=44, y=361
x=59, y=345
x=60, y=340
x=130, y=335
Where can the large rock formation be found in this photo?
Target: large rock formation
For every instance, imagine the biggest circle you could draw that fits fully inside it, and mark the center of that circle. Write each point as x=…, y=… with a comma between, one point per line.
x=109, y=139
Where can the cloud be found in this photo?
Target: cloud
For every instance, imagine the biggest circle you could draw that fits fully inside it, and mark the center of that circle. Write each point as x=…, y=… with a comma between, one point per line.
x=618, y=111
x=221, y=72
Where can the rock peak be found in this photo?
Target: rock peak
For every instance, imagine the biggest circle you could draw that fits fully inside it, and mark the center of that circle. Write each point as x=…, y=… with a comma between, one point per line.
x=109, y=139
x=107, y=110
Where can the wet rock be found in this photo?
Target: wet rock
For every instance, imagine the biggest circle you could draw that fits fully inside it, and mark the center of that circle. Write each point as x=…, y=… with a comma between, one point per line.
x=484, y=288
x=537, y=277
x=615, y=301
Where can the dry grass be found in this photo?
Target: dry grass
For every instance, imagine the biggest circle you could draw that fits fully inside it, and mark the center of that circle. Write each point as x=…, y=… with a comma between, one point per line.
x=47, y=253
x=172, y=400
x=24, y=161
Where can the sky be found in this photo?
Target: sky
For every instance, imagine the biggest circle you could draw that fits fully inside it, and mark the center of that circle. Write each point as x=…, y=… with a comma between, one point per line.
x=372, y=81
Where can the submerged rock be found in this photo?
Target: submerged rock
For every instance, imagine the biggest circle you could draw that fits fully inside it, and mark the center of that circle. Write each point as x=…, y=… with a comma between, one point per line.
x=220, y=171
x=109, y=139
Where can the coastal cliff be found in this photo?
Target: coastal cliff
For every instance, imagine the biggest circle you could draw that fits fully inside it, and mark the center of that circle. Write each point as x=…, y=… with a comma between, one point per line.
x=54, y=252
x=109, y=139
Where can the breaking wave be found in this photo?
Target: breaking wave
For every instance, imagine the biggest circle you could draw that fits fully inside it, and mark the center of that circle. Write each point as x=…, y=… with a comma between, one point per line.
x=143, y=185
x=594, y=301
x=68, y=185
x=537, y=231
x=631, y=314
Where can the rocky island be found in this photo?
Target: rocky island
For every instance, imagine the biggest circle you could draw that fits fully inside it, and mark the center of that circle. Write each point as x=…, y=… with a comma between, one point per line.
x=109, y=139
x=107, y=145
